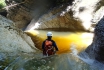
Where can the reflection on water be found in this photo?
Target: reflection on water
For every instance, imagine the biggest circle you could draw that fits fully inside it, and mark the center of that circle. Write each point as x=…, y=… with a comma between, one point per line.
x=64, y=40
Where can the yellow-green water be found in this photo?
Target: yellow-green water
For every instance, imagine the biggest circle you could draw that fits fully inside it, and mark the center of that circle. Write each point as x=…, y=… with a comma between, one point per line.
x=64, y=40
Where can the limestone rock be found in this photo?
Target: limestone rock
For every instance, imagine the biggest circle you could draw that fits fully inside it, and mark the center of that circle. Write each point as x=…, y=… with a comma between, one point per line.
x=12, y=39
x=75, y=15
x=22, y=11
x=58, y=19
x=80, y=16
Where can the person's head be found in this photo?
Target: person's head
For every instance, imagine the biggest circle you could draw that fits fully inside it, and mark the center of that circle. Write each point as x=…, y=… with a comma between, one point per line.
x=49, y=35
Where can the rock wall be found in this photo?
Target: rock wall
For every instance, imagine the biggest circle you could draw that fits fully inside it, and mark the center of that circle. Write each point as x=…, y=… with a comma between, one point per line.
x=22, y=11
x=57, y=19
x=78, y=16
x=13, y=39
x=72, y=15
x=96, y=49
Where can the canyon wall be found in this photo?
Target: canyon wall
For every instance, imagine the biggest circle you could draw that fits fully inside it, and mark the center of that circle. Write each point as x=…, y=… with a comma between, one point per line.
x=12, y=39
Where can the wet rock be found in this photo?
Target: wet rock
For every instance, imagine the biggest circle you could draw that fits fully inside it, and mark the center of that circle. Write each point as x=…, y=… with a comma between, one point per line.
x=22, y=11
x=58, y=19
x=12, y=39
x=78, y=16
x=71, y=15
x=96, y=49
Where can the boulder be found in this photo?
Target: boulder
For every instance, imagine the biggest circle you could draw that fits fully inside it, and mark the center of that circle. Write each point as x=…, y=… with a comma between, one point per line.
x=13, y=40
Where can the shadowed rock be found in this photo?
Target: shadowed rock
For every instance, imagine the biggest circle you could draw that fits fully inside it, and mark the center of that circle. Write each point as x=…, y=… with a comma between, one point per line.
x=22, y=11
x=96, y=49
x=79, y=18
x=3, y=12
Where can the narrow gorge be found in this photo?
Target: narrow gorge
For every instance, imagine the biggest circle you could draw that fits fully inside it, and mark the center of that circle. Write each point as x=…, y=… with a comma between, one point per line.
x=77, y=27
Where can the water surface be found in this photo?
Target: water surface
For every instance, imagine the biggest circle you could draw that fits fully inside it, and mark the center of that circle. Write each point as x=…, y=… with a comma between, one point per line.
x=69, y=44
x=64, y=40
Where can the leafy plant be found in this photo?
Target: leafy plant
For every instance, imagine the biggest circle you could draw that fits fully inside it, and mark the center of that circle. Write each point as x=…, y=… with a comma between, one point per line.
x=2, y=4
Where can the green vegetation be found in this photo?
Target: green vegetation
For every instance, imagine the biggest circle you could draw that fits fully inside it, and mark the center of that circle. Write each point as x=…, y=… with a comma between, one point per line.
x=6, y=61
x=2, y=4
x=3, y=64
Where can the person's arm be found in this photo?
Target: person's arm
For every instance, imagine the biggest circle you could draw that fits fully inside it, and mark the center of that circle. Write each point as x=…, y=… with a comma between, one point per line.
x=54, y=44
x=43, y=45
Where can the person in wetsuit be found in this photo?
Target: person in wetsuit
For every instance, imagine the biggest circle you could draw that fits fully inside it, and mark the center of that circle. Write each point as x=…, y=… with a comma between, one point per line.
x=49, y=46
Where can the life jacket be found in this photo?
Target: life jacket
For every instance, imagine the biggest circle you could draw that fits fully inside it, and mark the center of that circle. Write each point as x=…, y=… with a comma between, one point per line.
x=48, y=49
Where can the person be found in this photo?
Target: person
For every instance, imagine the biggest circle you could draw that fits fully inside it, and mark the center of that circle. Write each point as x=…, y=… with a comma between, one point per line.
x=49, y=46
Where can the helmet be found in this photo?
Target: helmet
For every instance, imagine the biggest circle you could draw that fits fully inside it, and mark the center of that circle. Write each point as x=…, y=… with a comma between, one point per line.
x=49, y=34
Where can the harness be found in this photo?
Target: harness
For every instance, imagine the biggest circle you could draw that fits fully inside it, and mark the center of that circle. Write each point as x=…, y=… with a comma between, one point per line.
x=48, y=49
